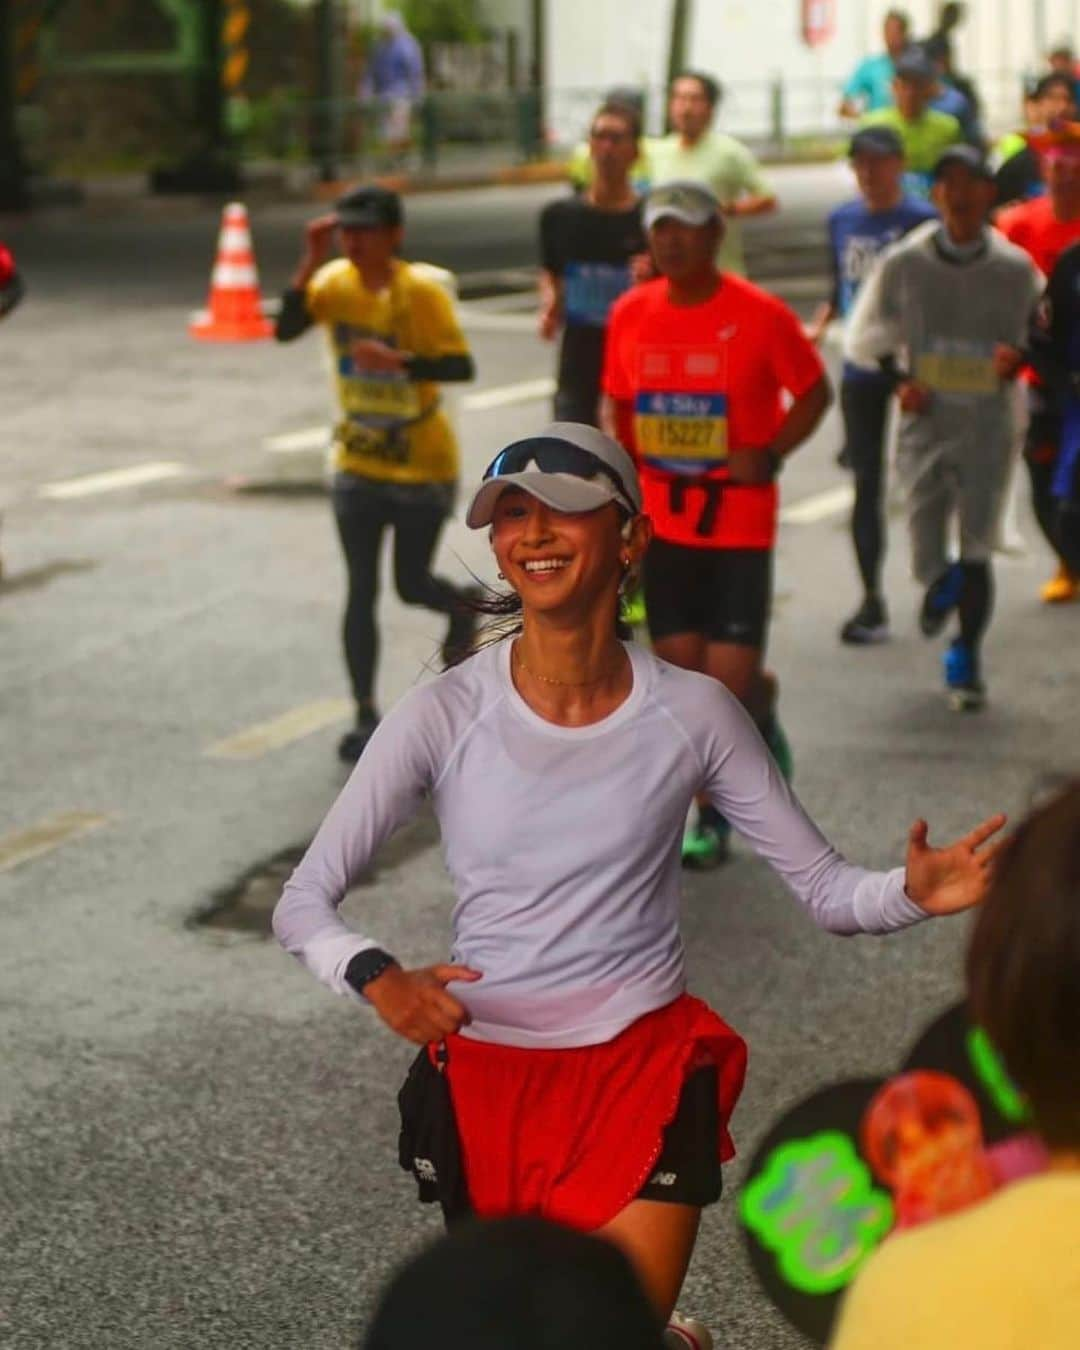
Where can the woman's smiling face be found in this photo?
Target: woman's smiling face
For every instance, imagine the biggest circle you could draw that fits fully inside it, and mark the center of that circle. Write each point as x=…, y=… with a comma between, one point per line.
x=556, y=559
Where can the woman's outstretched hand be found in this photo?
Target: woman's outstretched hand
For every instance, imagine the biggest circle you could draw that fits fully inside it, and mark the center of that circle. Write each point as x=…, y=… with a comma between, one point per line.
x=947, y=880
x=415, y=1004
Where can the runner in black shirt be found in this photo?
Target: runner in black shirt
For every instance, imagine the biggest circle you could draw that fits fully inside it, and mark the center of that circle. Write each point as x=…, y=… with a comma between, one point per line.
x=1054, y=350
x=592, y=245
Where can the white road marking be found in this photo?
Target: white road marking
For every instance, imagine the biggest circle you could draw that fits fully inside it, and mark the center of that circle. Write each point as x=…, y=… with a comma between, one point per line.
x=112, y=480
x=833, y=502
x=483, y=320
x=482, y=400
x=258, y=740
x=293, y=442
x=502, y=396
x=22, y=845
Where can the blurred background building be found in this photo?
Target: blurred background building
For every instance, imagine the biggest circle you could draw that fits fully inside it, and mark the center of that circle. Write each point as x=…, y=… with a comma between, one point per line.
x=192, y=88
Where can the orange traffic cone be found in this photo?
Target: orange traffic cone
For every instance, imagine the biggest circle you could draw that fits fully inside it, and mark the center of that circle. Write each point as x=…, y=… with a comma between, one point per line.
x=235, y=313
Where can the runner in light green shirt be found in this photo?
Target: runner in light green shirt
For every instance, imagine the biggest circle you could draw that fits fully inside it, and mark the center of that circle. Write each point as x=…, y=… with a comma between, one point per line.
x=695, y=152
x=925, y=133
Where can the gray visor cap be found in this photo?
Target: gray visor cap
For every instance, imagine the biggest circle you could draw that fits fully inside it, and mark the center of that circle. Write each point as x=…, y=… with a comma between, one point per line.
x=561, y=491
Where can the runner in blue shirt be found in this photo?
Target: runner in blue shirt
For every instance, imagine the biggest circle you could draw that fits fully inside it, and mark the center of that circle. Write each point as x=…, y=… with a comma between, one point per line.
x=870, y=85
x=858, y=231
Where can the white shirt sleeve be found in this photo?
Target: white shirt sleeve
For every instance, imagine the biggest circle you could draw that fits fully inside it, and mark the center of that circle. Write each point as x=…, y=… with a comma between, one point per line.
x=384, y=792
x=872, y=331
x=742, y=781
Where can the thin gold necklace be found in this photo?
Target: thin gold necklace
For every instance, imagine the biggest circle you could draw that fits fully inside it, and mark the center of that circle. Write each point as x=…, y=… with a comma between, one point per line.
x=565, y=684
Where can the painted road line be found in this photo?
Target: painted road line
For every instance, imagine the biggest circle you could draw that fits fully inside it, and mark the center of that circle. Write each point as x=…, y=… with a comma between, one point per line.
x=473, y=317
x=260, y=739
x=22, y=845
x=527, y=391
x=294, y=442
x=113, y=480
x=820, y=506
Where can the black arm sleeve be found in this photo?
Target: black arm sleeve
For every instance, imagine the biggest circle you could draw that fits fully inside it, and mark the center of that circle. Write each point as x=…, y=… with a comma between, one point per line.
x=293, y=317
x=446, y=369
x=1048, y=332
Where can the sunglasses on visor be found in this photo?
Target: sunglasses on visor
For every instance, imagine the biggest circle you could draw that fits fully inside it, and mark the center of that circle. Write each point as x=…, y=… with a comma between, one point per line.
x=553, y=456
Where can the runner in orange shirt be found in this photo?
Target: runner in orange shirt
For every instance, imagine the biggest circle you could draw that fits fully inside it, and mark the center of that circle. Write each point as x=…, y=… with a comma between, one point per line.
x=697, y=365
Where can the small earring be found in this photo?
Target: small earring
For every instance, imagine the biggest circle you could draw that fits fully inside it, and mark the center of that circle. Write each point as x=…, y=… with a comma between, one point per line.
x=625, y=563
x=502, y=576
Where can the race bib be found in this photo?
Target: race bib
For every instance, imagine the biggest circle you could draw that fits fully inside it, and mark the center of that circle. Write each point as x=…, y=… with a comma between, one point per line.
x=590, y=289
x=958, y=368
x=378, y=397
x=682, y=433
x=681, y=407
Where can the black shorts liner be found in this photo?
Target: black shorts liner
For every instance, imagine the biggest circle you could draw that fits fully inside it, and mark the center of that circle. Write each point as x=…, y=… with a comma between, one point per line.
x=723, y=594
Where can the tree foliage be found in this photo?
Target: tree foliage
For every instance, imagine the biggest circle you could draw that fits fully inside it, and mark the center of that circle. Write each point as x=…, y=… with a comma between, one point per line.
x=446, y=20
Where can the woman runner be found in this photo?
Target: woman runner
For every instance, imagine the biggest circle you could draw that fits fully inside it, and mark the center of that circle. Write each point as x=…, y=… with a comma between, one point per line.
x=584, y=1084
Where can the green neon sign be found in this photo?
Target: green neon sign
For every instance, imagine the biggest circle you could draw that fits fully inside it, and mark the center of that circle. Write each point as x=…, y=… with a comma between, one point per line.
x=815, y=1207
x=991, y=1072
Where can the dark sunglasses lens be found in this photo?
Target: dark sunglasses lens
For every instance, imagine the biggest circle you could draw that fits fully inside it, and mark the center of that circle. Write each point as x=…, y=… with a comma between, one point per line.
x=548, y=456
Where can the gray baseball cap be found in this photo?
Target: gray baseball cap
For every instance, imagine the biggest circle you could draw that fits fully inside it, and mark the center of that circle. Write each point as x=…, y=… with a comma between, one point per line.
x=681, y=199
x=566, y=465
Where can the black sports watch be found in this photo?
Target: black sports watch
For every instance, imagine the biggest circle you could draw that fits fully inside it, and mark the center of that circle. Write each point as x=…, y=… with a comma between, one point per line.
x=366, y=966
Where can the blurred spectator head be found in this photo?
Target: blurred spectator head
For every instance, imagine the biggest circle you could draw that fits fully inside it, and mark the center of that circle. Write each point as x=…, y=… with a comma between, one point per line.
x=1053, y=97
x=964, y=189
x=938, y=51
x=913, y=83
x=951, y=15
x=685, y=225
x=1062, y=57
x=372, y=224
x=877, y=158
x=517, y=1282
x=1023, y=966
x=896, y=30
x=694, y=99
x=613, y=138
x=627, y=96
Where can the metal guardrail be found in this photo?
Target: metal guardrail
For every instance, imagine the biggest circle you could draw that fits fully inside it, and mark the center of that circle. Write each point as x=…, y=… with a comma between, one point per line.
x=499, y=127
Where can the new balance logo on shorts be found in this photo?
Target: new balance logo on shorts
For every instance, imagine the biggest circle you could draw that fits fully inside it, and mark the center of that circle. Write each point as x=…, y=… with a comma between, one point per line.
x=425, y=1169
x=663, y=1178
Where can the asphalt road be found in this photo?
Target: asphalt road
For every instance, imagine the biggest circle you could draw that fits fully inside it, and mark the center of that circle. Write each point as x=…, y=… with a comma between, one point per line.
x=198, y=1141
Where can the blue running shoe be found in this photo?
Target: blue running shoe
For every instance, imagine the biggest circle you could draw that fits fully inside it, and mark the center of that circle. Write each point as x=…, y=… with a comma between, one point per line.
x=967, y=693
x=941, y=598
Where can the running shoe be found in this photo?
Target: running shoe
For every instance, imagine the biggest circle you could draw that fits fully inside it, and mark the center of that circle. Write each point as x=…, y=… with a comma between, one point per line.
x=352, y=744
x=706, y=844
x=633, y=608
x=683, y=1333
x=967, y=693
x=941, y=598
x=869, y=623
x=461, y=630
x=1062, y=587
x=779, y=747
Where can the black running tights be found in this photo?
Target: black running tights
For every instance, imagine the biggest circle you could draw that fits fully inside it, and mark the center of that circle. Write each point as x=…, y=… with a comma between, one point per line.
x=362, y=515
x=976, y=602
x=865, y=407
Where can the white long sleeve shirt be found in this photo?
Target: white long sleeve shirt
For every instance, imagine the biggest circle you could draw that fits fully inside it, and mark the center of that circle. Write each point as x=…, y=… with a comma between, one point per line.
x=563, y=844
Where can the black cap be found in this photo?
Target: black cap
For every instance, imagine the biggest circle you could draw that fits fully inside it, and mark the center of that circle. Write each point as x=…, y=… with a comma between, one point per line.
x=973, y=160
x=914, y=64
x=366, y=208
x=876, y=141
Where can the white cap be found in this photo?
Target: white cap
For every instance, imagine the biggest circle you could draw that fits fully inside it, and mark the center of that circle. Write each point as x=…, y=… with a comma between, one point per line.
x=579, y=486
x=683, y=199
